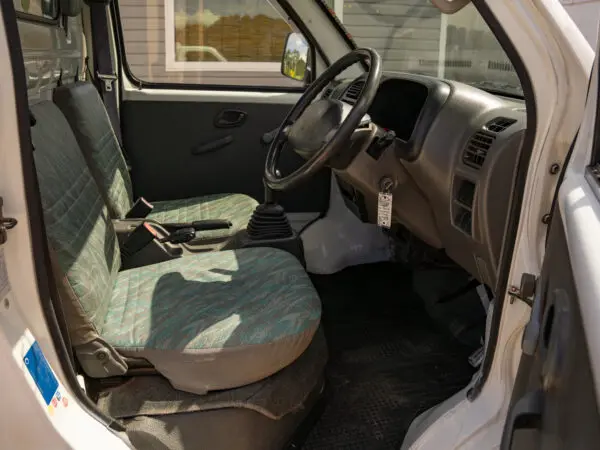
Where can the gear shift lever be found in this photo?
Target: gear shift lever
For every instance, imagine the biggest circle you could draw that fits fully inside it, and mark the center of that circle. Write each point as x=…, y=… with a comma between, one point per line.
x=269, y=195
x=269, y=220
x=269, y=226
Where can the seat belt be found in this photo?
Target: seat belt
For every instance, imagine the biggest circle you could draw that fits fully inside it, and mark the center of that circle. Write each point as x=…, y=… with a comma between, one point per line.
x=105, y=75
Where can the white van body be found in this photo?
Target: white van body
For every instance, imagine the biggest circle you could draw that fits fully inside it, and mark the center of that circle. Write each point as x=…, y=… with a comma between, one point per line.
x=553, y=42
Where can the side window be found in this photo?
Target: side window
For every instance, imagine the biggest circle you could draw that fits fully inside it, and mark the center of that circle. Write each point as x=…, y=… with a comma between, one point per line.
x=48, y=9
x=205, y=42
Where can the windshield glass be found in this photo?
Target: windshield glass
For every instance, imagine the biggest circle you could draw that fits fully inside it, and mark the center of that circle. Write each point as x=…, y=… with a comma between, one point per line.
x=414, y=36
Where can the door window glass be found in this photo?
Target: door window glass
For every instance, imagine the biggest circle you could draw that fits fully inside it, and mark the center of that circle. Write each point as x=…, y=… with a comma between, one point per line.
x=414, y=36
x=47, y=9
x=214, y=42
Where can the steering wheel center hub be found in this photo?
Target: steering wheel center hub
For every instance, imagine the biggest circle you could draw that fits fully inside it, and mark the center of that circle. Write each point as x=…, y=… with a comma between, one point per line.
x=314, y=127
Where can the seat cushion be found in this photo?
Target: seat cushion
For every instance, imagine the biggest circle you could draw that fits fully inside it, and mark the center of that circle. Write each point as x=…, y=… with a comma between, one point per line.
x=237, y=208
x=215, y=320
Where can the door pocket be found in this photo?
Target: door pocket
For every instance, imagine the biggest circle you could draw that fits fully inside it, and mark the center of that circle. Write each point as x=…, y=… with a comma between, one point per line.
x=556, y=334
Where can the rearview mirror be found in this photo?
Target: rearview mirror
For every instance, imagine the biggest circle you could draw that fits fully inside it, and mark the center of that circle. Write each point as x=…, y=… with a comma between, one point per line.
x=294, y=62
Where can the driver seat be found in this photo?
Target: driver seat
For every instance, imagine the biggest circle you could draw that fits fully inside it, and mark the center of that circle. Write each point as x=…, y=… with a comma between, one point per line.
x=82, y=106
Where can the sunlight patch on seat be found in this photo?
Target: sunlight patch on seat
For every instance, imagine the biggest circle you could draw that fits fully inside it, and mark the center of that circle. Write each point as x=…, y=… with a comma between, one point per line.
x=220, y=332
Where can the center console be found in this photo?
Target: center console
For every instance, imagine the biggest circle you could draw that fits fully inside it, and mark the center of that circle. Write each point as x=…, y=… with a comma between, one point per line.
x=144, y=242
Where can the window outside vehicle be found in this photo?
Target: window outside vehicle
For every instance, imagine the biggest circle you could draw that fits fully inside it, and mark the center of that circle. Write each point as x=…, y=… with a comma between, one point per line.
x=241, y=42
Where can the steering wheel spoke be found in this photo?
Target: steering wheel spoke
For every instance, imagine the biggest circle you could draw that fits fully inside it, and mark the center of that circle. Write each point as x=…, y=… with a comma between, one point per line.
x=319, y=129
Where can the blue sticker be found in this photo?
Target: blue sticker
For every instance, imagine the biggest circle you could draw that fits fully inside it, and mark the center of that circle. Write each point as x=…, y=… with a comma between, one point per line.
x=40, y=372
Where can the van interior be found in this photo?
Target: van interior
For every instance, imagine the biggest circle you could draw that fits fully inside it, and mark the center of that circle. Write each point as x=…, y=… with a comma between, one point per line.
x=237, y=271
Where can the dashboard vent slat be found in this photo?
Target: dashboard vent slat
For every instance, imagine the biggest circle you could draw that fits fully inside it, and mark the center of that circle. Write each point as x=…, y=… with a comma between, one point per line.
x=327, y=93
x=353, y=91
x=477, y=149
x=478, y=146
x=499, y=124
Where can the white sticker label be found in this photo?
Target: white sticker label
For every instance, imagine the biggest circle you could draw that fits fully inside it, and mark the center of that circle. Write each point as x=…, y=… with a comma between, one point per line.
x=384, y=210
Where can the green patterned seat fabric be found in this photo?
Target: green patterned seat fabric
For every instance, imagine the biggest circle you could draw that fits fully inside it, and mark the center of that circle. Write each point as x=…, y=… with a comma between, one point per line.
x=78, y=226
x=219, y=319
x=206, y=322
x=85, y=111
x=237, y=208
x=83, y=108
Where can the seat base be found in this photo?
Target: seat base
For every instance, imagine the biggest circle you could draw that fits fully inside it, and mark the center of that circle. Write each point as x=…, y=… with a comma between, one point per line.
x=265, y=415
x=213, y=429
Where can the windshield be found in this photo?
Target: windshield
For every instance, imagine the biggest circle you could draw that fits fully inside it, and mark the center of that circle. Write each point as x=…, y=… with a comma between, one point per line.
x=413, y=36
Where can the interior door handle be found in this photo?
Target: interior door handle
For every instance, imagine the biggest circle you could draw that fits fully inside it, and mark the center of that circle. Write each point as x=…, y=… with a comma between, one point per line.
x=526, y=413
x=230, y=118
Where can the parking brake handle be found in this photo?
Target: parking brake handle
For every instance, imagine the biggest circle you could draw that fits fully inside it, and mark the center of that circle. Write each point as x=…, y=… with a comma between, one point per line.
x=200, y=225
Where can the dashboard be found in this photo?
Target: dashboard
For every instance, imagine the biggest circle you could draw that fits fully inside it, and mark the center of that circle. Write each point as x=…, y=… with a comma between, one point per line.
x=451, y=161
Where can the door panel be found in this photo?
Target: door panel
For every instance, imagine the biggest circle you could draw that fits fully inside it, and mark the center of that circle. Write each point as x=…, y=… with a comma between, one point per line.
x=185, y=148
x=554, y=399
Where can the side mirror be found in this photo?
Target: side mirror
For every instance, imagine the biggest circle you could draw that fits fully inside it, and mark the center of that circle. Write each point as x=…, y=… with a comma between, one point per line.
x=295, y=58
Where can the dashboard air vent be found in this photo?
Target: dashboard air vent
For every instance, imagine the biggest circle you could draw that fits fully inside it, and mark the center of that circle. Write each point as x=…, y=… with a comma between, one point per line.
x=353, y=91
x=499, y=124
x=477, y=149
x=327, y=93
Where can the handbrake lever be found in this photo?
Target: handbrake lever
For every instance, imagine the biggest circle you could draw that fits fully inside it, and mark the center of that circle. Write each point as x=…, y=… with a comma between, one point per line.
x=200, y=225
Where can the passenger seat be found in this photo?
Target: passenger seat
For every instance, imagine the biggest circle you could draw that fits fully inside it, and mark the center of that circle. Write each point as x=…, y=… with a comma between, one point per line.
x=82, y=106
x=175, y=313
x=230, y=328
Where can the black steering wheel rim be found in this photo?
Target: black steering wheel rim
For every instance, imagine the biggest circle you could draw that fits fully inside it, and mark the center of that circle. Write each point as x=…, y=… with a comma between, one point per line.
x=342, y=133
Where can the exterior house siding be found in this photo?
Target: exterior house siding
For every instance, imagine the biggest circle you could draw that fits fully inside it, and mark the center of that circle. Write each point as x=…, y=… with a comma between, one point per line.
x=407, y=34
x=402, y=31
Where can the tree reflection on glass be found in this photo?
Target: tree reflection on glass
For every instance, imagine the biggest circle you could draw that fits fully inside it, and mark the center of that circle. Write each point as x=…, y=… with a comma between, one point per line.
x=295, y=57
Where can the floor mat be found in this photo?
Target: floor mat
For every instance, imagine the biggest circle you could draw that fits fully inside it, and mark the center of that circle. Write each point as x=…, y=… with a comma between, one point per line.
x=388, y=360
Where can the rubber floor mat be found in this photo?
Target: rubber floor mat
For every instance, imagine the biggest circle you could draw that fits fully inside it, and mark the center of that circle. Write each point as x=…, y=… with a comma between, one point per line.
x=388, y=360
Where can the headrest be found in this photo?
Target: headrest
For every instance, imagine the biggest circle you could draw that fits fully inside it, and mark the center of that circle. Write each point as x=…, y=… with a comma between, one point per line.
x=70, y=8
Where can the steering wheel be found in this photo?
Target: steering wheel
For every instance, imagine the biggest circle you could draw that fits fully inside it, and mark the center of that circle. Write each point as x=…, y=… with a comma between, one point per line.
x=318, y=130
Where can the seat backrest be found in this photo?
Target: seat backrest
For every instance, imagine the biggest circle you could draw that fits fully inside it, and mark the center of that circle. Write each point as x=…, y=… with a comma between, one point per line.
x=82, y=106
x=82, y=240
